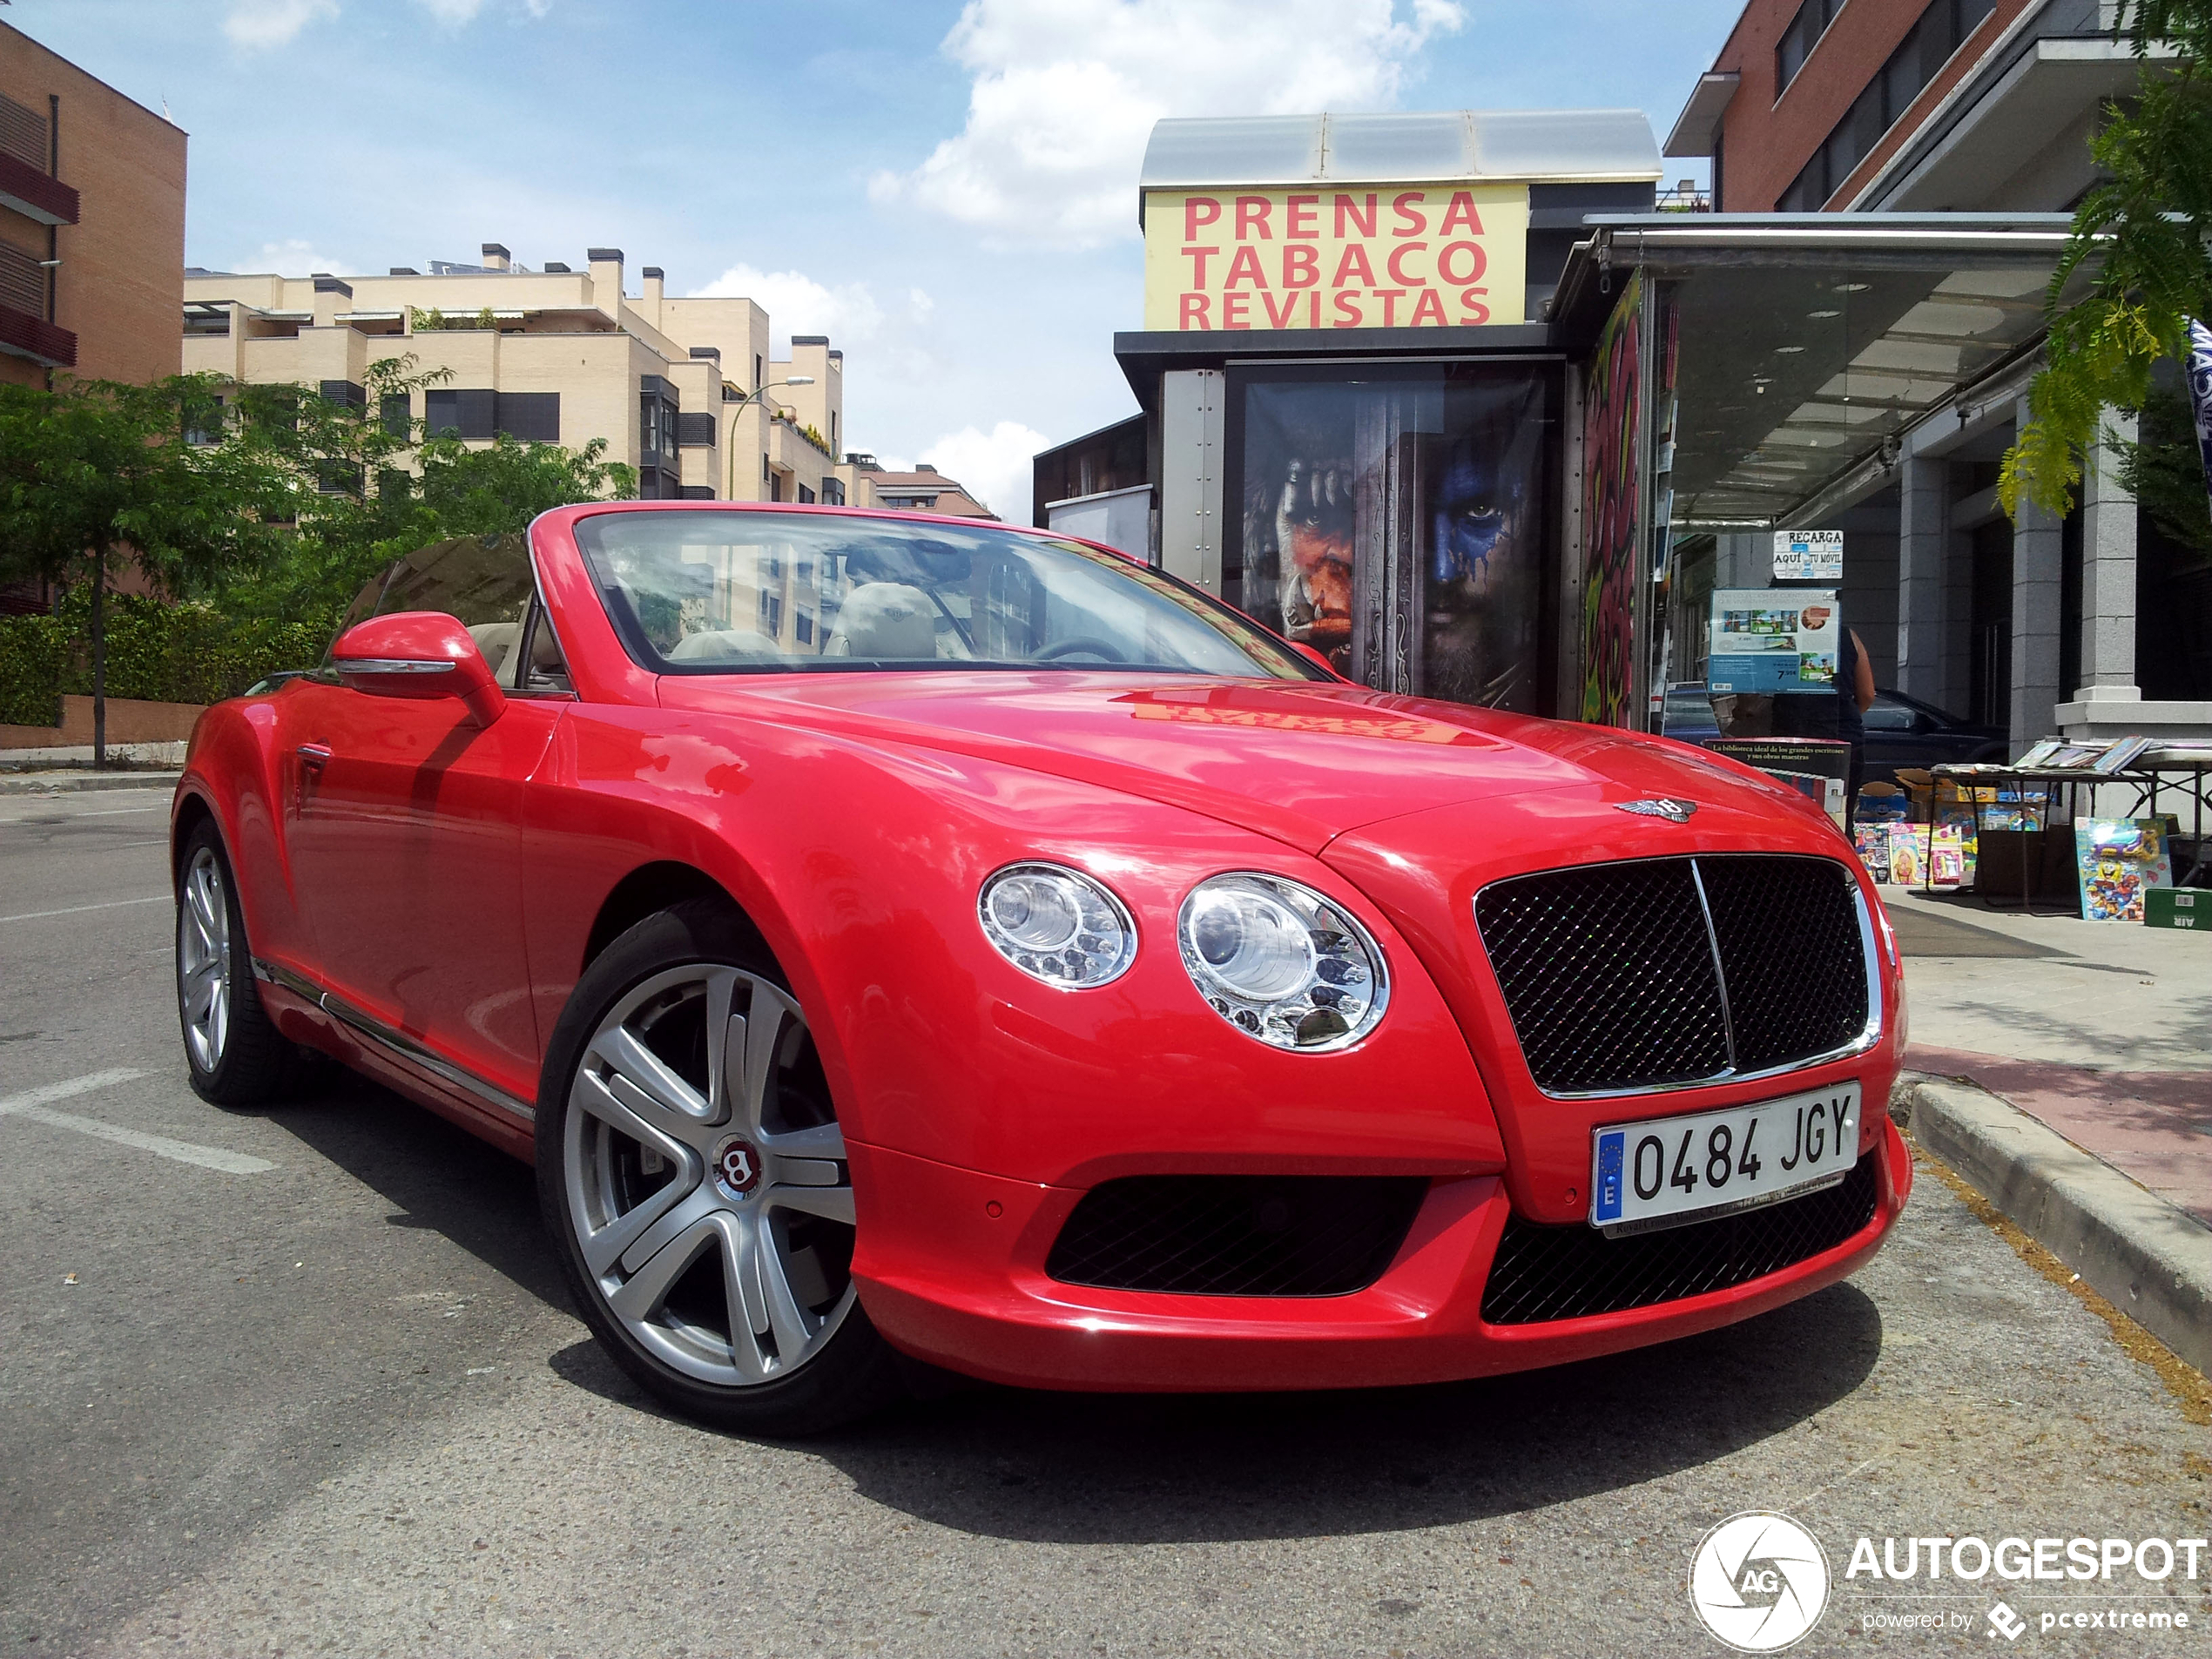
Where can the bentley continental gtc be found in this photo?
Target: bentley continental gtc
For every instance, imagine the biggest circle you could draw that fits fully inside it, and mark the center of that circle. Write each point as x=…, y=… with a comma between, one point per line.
x=900, y=940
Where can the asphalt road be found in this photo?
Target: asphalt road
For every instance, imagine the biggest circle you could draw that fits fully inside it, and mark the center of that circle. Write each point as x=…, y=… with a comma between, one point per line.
x=304, y=1381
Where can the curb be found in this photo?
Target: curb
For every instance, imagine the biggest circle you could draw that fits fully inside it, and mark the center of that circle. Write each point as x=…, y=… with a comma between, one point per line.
x=2149, y=1259
x=59, y=783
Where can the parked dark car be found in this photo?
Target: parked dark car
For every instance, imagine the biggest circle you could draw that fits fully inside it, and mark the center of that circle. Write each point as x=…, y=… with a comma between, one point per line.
x=1901, y=731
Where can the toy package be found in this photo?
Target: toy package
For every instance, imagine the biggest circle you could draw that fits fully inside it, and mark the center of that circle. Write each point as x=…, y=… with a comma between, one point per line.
x=1961, y=821
x=1908, y=854
x=1946, y=857
x=2120, y=859
x=1872, y=841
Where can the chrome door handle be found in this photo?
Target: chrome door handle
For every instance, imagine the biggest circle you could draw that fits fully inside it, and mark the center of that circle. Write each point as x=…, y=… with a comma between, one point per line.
x=311, y=755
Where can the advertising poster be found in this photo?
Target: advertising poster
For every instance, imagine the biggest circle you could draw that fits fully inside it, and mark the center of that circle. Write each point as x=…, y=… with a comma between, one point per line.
x=1769, y=640
x=1808, y=555
x=1410, y=256
x=2120, y=860
x=1396, y=526
x=1612, y=474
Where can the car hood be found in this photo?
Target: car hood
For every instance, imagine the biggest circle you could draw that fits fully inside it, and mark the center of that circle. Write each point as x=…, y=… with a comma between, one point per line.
x=1302, y=762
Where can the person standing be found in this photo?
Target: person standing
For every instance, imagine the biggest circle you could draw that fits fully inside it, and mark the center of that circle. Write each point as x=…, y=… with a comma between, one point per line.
x=1854, y=683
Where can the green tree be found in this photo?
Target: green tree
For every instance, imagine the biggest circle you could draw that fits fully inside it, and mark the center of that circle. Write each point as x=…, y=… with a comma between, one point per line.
x=100, y=475
x=2141, y=237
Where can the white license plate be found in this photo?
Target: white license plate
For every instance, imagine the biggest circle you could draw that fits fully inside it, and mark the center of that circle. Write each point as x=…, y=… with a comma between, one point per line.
x=1668, y=1170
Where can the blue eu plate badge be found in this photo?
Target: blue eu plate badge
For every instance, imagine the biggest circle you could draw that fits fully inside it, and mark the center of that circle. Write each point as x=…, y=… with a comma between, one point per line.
x=1609, y=1146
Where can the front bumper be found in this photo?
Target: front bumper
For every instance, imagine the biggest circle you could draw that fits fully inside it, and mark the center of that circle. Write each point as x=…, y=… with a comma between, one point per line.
x=951, y=1269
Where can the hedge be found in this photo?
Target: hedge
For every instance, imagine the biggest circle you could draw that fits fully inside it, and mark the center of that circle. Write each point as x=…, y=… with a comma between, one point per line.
x=165, y=653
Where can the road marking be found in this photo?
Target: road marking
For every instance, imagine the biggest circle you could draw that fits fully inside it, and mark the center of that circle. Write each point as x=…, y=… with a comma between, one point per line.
x=75, y=909
x=31, y=1103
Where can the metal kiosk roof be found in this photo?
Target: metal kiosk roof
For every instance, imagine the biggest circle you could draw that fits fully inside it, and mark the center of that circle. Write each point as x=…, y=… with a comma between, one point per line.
x=1808, y=341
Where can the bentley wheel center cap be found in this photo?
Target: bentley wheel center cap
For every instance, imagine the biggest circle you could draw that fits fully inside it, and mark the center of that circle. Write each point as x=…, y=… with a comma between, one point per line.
x=736, y=1167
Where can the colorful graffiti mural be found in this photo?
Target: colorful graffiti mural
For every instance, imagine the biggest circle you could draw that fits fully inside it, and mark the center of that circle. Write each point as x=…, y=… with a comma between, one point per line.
x=1612, y=471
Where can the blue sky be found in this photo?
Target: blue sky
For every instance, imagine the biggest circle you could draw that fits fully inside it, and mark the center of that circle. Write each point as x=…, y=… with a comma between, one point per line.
x=948, y=190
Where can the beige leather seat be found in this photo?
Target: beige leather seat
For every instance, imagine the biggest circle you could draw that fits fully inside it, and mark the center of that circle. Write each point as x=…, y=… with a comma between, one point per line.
x=496, y=640
x=885, y=619
x=724, y=645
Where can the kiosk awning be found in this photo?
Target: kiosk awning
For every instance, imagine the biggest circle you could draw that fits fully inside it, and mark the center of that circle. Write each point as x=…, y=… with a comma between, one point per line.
x=1807, y=340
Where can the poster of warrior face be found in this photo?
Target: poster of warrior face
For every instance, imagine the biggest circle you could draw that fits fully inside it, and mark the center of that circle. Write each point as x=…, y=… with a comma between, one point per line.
x=1396, y=526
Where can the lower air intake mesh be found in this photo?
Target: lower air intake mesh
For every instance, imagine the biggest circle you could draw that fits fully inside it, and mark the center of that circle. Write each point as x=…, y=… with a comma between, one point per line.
x=1542, y=1273
x=1237, y=1235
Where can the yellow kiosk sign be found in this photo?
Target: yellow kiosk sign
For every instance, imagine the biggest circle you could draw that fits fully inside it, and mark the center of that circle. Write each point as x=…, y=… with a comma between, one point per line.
x=1414, y=256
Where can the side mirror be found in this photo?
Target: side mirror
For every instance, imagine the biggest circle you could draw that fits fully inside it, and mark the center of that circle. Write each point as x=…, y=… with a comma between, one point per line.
x=418, y=654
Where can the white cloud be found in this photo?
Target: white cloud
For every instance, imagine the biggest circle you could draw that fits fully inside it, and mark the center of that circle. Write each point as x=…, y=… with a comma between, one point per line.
x=1063, y=94
x=993, y=466
x=294, y=259
x=258, y=24
x=452, y=13
x=849, y=313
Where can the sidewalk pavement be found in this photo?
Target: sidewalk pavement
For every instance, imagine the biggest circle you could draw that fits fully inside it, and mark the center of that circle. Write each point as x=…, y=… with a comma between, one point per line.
x=61, y=783
x=79, y=757
x=2086, y=1049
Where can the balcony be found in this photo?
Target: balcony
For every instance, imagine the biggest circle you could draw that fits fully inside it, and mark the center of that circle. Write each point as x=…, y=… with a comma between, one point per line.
x=24, y=331
x=31, y=194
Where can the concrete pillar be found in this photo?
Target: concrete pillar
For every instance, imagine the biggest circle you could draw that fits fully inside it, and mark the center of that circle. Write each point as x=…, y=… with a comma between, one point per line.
x=1743, y=559
x=2038, y=570
x=2108, y=577
x=1924, y=579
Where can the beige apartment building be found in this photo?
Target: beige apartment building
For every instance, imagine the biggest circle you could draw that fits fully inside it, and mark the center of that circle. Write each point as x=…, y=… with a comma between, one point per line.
x=557, y=355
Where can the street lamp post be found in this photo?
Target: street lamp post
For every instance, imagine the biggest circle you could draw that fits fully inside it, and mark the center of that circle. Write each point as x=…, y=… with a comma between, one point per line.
x=796, y=380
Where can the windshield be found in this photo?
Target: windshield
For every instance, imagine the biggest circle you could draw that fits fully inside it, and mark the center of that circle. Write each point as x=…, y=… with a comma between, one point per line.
x=747, y=592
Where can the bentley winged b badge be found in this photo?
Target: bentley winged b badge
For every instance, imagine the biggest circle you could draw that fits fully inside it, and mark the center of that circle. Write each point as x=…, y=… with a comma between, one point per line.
x=1674, y=811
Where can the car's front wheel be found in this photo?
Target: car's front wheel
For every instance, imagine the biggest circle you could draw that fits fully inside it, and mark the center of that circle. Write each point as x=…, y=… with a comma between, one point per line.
x=690, y=1166
x=233, y=1051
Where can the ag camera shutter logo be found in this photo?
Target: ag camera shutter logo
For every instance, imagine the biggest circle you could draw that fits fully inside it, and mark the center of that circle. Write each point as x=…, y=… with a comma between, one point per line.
x=1758, y=1581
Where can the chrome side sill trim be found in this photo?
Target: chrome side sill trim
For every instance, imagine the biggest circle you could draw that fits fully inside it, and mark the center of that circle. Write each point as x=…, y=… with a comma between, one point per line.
x=395, y=1043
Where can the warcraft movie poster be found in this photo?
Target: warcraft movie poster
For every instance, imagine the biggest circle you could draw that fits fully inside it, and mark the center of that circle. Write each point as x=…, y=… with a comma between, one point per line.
x=1397, y=526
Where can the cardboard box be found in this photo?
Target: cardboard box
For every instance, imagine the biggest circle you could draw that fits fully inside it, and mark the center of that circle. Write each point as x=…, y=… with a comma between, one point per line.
x=1919, y=789
x=2189, y=907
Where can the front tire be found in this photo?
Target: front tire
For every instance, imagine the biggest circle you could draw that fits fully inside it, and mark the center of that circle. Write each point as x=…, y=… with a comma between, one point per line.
x=235, y=1053
x=690, y=1169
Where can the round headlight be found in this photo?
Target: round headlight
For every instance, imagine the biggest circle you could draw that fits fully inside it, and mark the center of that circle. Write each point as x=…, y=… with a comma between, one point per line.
x=1057, y=924
x=1282, y=963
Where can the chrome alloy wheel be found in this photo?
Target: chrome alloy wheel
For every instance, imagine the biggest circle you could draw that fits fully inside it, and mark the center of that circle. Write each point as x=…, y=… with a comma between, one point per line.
x=706, y=1176
x=204, y=959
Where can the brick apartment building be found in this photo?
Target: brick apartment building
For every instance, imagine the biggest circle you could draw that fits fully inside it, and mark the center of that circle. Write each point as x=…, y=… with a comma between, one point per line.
x=2094, y=623
x=92, y=223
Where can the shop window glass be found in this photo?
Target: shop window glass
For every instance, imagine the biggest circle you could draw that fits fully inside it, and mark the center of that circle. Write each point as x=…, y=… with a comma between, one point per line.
x=1398, y=524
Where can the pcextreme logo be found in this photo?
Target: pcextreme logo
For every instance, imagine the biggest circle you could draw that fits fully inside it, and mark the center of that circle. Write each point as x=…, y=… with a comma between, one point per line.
x=1758, y=1581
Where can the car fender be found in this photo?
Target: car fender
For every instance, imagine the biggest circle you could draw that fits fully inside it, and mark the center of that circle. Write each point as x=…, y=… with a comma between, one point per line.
x=861, y=866
x=234, y=769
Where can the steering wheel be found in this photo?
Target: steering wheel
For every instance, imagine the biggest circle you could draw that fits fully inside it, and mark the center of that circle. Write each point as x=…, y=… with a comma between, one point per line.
x=1068, y=647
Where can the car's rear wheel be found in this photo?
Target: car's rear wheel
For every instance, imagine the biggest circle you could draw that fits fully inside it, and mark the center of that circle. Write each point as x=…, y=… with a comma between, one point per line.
x=690, y=1166
x=236, y=1055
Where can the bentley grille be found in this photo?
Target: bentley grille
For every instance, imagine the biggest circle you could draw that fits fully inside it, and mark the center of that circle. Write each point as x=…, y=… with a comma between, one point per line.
x=1663, y=972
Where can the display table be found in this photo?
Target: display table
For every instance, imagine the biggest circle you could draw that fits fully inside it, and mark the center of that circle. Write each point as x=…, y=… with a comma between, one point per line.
x=2155, y=769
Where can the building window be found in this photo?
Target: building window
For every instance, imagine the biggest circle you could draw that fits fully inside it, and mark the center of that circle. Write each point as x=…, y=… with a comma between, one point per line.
x=1800, y=37
x=535, y=417
x=802, y=627
x=755, y=371
x=1918, y=60
x=398, y=414
x=833, y=492
x=203, y=422
x=346, y=394
x=772, y=613
x=695, y=431
x=805, y=497
x=833, y=448
x=470, y=415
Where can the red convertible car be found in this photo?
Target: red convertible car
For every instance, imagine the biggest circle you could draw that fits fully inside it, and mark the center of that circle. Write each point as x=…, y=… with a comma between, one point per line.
x=893, y=936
